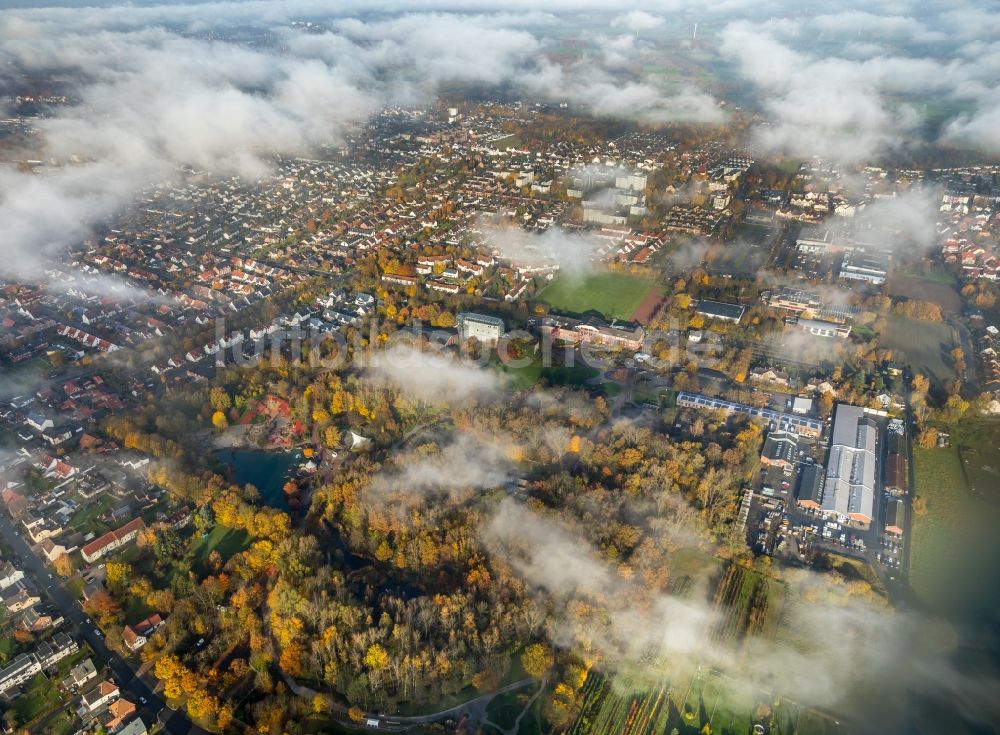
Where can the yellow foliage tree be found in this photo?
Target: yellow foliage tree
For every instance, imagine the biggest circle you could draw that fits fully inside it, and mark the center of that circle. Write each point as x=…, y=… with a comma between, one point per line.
x=376, y=657
x=537, y=659
x=219, y=420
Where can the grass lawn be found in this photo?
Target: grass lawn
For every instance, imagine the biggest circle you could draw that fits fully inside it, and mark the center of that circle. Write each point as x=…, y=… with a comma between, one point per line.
x=518, y=378
x=574, y=376
x=33, y=368
x=226, y=541
x=954, y=544
x=941, y=487
x=615, y=295
x=40, y=695
x=924, y=345
x=85, y=518
x=927, y=271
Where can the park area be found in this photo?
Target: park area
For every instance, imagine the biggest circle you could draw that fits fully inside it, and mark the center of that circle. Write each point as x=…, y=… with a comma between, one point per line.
x=613, y=294
x=954, y=544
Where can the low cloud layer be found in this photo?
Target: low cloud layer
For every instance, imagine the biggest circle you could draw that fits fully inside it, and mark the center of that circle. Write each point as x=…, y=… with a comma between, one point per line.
x=853, y=85
x=432, y=377
x=573, y=252
x=841, y=647
x=159, y=87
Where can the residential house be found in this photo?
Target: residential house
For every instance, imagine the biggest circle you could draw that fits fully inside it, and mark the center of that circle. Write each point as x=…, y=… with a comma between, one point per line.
x=118, y=713
x=53, y=549
x=9, y=574
x=136, y=636
x=18, y=597
x=20, y=670
x=80, y=674
x=112, y=540
x=135, y=727
x=35, y=619
x=104, y=693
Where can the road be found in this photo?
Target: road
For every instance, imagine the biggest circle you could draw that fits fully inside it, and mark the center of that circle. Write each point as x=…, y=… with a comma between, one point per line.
x=475, y=709
x=175, y=723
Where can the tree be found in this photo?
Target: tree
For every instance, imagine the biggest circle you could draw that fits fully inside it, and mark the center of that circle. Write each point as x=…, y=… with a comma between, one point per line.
x=220, y=399
x=64, y=566
x=537, y=659
x=376, y=657
x=117, y=571
x=331, y=437
x=219, y=420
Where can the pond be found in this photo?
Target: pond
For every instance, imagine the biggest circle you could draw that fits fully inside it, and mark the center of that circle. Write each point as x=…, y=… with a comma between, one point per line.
x=266, y=471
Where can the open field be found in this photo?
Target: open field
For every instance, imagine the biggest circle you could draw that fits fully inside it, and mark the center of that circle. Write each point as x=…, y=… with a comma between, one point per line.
x=954, y=544
x=754, y=234
x=736, y=258
x=615, y=295
x=924, y=345
x=931, y=285
x=978, y=442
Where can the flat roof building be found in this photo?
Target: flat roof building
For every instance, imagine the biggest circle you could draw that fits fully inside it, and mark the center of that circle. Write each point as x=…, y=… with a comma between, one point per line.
x=823, y=329
x=859, y=265
x=850, y=468
x=486, y=329
x=720, y=310
x=780, y=420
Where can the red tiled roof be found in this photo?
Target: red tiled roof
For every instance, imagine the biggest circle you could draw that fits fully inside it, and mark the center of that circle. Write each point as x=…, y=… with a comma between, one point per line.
x=111, y=536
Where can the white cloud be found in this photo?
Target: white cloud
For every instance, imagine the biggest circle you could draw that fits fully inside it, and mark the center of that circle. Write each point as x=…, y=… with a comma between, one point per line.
x=638, y=20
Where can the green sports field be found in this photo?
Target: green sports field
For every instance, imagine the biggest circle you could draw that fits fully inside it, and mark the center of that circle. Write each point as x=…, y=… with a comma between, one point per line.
x=615, y=295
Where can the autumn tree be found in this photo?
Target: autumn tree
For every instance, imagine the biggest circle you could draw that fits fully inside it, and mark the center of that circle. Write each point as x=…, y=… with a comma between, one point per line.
x=219, y=420
x=537, y=659
x=64, y=565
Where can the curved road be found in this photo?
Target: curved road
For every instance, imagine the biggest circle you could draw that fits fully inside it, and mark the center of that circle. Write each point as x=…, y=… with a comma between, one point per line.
x=474, y=708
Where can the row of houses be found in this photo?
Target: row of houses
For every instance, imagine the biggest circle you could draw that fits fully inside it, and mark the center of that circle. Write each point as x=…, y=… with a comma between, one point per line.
x=25, y=666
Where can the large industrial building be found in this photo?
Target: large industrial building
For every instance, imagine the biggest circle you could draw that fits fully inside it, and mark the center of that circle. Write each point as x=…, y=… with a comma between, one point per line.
x=849, y=489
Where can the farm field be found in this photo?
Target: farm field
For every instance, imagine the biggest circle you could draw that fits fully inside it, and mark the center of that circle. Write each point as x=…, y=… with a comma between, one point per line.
x=954, y=543
x=615, y=295
x=636, y=704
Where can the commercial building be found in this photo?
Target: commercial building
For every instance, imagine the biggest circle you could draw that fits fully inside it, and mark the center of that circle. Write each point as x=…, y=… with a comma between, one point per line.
x=861, y=265
x=780, y=449
x=720, y=310
x=812, y=481
x=823, y=329
x=850, y=469
x=895, y=514
x=485, y=329
x=798, y=424
x=592, y=330
x=895, y=473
